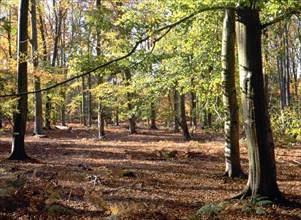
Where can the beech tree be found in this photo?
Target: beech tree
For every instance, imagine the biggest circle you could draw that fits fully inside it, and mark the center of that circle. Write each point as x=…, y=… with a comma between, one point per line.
x=231, y=127
x=19, y=123
x=262, y=165
x=38, y=123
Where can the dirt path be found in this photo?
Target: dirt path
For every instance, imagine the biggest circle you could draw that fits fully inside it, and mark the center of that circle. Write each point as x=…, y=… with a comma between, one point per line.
x=151, y=175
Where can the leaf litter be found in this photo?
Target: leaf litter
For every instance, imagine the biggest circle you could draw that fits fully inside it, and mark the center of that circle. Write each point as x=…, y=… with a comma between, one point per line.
x=151, y=175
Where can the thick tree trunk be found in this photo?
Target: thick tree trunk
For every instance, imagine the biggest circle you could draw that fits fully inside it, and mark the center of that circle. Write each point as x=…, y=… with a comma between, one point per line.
x=262, y=165
x=38, y=122
x=19, y=128
x=231, y=127
x=184, y=126
x=153, y=116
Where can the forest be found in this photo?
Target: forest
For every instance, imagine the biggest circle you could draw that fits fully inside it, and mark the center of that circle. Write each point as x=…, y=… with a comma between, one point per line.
x=154, y=109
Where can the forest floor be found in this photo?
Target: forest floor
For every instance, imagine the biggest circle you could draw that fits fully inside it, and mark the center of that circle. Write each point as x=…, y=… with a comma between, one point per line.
x=150, y=175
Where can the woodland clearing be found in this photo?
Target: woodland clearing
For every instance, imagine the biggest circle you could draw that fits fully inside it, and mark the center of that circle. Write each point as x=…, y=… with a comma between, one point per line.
x=150, y=175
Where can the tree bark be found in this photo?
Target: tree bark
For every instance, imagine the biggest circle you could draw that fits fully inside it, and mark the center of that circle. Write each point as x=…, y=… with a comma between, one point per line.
x=262, y=165
x=153, y=116
x=83, y=105
x=19, y=128
x=9, y=35
x=287, y=65
x=231, y=126
x=89, y=106
x=57, y=31
x=101, y=115
x=38, y=121
x=132, y=122
x=175, y=110
x=101, y=118
x=184, y=126
x=43, y=35
x=48, y=113
x=193, y=114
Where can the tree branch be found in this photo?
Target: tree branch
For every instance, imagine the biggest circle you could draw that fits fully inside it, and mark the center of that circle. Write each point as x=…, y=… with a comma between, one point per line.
x=280, y=18
x=167, y=28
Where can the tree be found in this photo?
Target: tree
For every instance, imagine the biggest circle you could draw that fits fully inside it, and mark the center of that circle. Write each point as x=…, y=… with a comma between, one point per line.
x=19, y=128
x=132, y=120
x=153, y=116
x=100, y=115
x=262, y=166
x=184, y=126
x=176, y=109
x=231, y=124
x=38, y=123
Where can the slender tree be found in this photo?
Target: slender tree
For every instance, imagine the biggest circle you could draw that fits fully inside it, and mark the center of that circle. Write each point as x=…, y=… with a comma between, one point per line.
x=231, y=127
x=176, y=110
x=153, y=116
x=19, y=128
x=100, y=115
x=132, y=122
x=38, y=122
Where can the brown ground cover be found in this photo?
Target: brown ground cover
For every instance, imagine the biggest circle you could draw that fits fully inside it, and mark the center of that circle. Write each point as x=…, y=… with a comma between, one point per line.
x=150, y=175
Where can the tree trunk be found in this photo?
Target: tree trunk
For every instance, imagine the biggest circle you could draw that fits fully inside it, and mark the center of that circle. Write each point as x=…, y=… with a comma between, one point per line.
x=1, y=121
x=9, y=35
x=287, y=65
x=193, y=110
x=44, y=43
x=101, y=118
x=184, y=126
x=89, y=106
x=63, y=115
x=116, y=121
x=132, y=122
x=57, y=31
x=153, y=116
x=262, y=165
x=83, y=105
x=175, y=110
x=38, y=122
x=19, y=128
x=231, y=126
x=48, y=113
